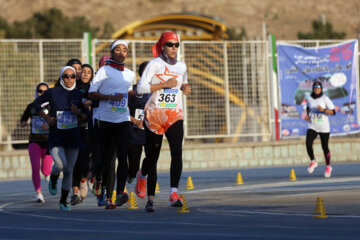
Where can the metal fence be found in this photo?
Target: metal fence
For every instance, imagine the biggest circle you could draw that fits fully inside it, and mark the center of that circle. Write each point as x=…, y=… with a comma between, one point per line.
x=230, y=91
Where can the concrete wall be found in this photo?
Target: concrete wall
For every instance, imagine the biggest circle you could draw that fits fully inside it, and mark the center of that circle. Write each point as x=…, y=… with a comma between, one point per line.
x=16, y=164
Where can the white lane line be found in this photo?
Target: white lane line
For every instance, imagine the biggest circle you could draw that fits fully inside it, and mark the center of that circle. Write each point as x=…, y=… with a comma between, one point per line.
x=233, y=212
x=272, y=185
x=121, y=231
x=103, y=220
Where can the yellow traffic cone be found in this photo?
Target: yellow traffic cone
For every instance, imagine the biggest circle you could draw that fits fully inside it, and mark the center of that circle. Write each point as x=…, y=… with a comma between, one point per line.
x=132, y=204
x=125, y=189
x=184, y=208
x=320, y=211
x=113, y=197
x=157, y=189
x=239, y=179
x=292, y=176
x=189, y=184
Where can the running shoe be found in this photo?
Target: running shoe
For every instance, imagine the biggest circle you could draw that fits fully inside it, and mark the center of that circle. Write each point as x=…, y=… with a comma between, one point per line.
x=149, y=206
x=101, y=199
x=328, y=171
x=121, y=199
x=39, y=198
x=75, y=199
x=83, y=189
x=91, y=183
x=97, y=188
x=140, y=187
x=52, y=184
x=109, y=204
x=130, y=180
x=65, y=207
x=312, y=166
x=175, y=200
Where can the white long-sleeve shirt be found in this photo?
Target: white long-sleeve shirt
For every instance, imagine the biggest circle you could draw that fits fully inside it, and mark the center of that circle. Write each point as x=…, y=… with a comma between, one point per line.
x=164, y=107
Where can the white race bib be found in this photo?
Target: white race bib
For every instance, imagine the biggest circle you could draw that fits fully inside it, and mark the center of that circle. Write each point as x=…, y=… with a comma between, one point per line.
x=118, y=106
x=317, y=117
x=36, y=123
x=167, y=98
x=139, y=114
x=66, y=120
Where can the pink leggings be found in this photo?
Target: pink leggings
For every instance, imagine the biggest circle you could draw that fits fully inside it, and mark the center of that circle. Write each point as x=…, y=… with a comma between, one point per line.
x=38, y=153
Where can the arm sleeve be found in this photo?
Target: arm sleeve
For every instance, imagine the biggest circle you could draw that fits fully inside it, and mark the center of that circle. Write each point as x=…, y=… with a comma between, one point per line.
x=45, y=97
x=133, y=81
x=26, y=114
x=143, y=86
x=97, y=81
x=185, y=79
x=329, y=104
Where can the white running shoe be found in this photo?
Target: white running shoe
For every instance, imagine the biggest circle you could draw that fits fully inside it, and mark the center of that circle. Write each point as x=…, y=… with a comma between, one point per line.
x=328, y=171
x=39, y=198
x=83, y=189
x=312, y=166
x=91, y=183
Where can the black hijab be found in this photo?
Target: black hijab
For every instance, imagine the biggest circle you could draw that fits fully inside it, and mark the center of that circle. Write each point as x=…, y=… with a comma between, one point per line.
x=313, y=95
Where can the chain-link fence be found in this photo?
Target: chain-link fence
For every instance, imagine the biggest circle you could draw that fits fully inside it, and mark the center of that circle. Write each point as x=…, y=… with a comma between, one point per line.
x=23, y=64
x=230, y=82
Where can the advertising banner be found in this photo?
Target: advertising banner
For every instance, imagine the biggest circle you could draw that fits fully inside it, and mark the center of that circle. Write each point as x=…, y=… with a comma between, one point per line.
x=335, y=67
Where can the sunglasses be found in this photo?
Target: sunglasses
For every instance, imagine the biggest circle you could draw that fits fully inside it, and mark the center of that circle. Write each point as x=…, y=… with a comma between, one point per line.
x=170, y=44
x=317, y=86
x=40, y=91
x=72, y=76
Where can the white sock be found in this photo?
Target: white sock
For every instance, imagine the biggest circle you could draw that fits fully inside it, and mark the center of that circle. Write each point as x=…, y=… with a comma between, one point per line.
x=173, y=190
x=142, y=177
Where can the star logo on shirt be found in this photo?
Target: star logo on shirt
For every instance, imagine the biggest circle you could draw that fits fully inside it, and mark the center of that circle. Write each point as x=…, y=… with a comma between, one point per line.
x=165, y=76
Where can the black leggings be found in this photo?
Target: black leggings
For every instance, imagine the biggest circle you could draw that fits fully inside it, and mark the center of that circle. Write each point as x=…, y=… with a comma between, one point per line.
x=83, y=161
x=134, y=157
x=113, y=135
x=174, y=135
x=324, y=137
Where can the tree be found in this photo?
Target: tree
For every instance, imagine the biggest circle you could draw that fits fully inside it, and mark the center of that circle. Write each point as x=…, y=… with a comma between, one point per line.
x=233, y=35
x=51, y=24
x=321, y=31
x=108, y=30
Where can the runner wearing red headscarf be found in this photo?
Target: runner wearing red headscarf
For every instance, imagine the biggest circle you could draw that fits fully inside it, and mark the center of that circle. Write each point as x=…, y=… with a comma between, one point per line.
x=164, y=77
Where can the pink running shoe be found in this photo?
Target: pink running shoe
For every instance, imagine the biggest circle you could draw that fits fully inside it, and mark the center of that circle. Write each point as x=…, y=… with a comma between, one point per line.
x=175, y=200
x=140, y=187
x=328, y=171
x=312, y=166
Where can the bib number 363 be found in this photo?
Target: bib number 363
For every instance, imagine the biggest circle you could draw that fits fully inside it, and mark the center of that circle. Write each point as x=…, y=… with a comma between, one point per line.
x=167, y=98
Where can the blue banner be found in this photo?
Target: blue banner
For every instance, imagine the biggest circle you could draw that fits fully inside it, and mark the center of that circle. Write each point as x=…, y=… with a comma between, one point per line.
x=335, y=67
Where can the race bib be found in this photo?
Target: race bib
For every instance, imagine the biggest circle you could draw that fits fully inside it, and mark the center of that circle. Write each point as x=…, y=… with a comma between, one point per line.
x=66, y=120
x=118, y=106
x=317, y=117
x=139, y=114
x=36, y=123
x=167, y=98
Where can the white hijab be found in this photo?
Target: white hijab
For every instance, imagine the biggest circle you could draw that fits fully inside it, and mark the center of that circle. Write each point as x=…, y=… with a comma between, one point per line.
x=62, y=80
